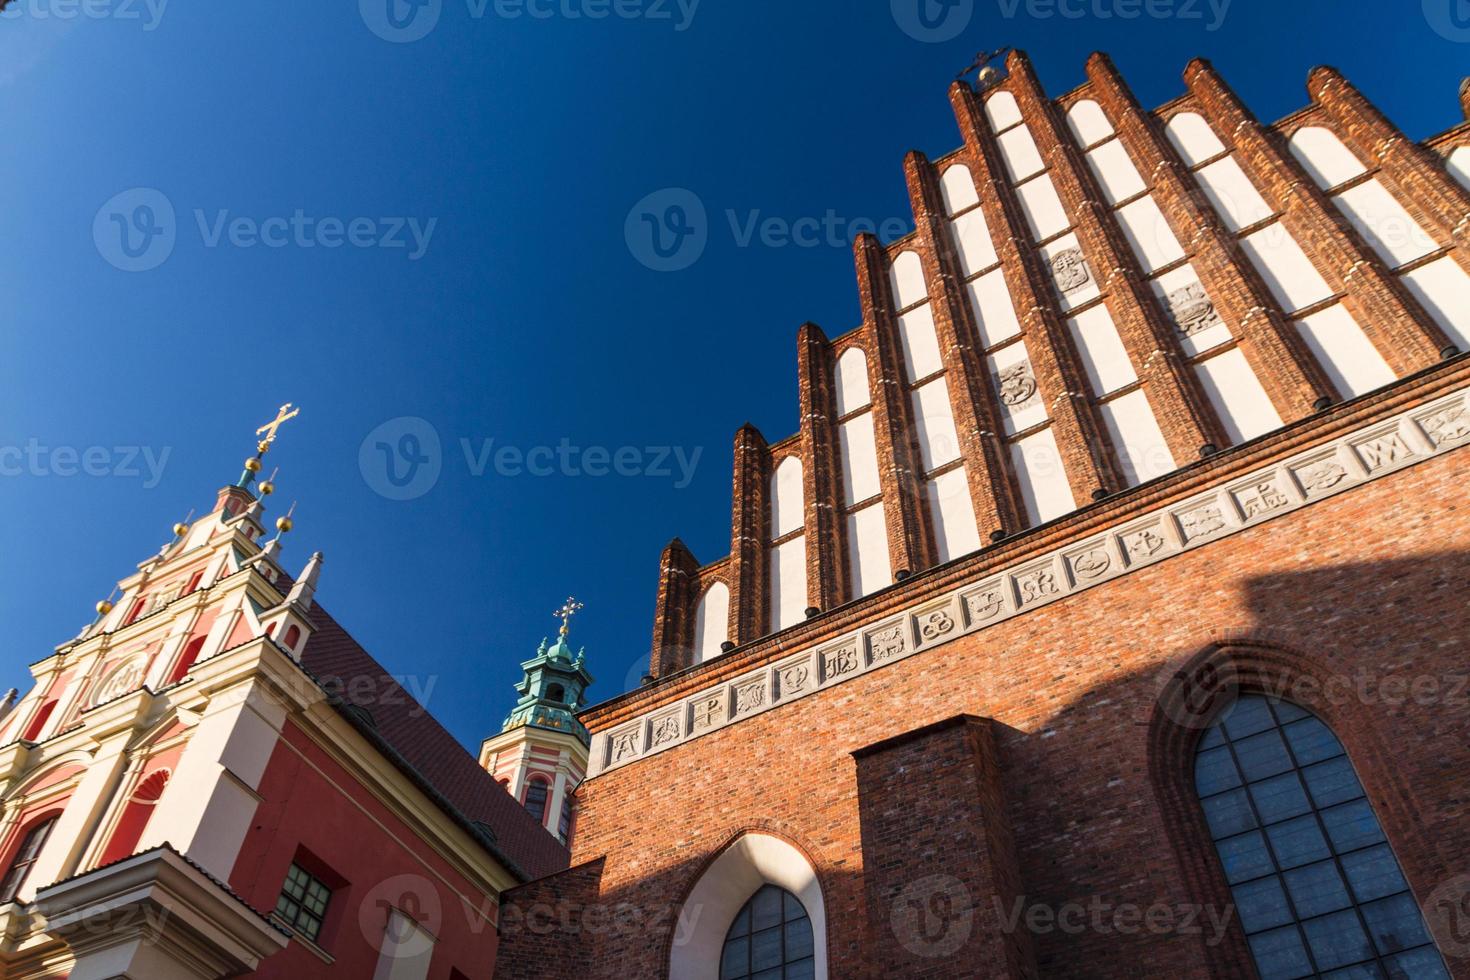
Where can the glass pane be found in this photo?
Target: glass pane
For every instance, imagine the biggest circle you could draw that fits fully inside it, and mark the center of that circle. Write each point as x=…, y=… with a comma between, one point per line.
x=1280, y=797
x=1298, y=842
x=1286, y=712
x=805, y=970
x=1214, y=772
x=742, y=922
x=1352, y=825
x=1228, y=814
x=1261, y=904
x=1317, y=889
x=767, y=975
x=1262, y=755
x=1421, y=964
x=1363, y=971
x=1248, y=716
x=1332, y=782
x=1213, y=738
x=736, y=961
x=1337, y=940
x=799, y=939
x=1280, y=955
x=1395, y=924
x=765, y=948
x=1311, y=741
x=1245, y=857
x=1373, y=873
x=792, y=909
x=765, y=908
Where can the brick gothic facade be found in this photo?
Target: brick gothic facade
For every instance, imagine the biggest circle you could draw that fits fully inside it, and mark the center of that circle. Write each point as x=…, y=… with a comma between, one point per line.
x=1189, y=381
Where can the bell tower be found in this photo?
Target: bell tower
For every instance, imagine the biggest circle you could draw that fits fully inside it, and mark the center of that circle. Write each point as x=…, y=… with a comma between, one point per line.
x=540, y=755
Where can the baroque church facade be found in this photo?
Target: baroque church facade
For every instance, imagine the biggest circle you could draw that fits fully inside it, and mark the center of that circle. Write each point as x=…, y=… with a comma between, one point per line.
x=1104, y=618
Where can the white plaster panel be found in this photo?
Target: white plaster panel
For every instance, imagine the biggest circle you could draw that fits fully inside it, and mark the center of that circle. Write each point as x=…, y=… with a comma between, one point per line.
x=1289, y=274
x=1149, y=234
x=1043, y=481
x=406, y=950
x=1243, y=405
x=1324, y=156
x=1020, y=154
x=852, y=381
x=1443, y=288
x=1044, y=212
x=957, y=185
x=938, y=442
x=867, y=536
x=955, y=533
x=994, y=310
x=920, y=342
x=1103, y=355
x=1459, y=165
x=1088, y=123
x=907, y=276
x=1233, y=195
x=712, y=621
x=1002, y=111
x=1014, y=376
x=859, y=459
x=788, y=511
x=1345, y=352
x=972, y=238
x=1193, y=138
x=1383, y=222
x=1086, y=291
x=1202, y=340
x=788, y=583
x=1143, y=453
x=1115, y=171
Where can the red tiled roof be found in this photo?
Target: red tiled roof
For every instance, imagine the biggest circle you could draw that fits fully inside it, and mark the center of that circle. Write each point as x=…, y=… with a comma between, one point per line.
x=341, y=664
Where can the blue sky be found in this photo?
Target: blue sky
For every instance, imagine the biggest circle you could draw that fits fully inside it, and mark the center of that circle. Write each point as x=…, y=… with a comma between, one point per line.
x=434, y=229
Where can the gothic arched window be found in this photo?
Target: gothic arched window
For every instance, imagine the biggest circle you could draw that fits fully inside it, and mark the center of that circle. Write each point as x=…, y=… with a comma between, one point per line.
x=770, y=938
x=536, y=798
x=1316, y=886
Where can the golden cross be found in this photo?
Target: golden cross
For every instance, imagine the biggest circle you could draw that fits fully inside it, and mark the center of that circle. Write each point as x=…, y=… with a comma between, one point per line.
x=284, y=415
x=569, y=609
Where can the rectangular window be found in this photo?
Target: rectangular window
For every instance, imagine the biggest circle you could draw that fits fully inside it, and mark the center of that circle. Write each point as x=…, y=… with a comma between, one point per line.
x=303, y=902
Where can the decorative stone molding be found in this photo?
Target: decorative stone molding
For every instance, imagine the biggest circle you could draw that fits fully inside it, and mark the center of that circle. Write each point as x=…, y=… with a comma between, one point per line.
x=1299, y=480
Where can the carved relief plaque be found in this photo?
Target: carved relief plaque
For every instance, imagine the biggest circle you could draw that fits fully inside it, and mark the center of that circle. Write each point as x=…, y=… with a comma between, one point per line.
x=887, y=643
x=1192, y=310
x=1070, y=270
x=1017, y=384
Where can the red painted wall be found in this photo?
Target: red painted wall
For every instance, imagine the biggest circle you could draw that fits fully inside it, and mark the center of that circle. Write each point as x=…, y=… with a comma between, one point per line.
x=311, y=803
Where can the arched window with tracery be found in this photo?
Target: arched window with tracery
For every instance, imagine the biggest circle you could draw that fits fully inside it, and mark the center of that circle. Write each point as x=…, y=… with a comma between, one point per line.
x=770, y=939
x=1317, y=887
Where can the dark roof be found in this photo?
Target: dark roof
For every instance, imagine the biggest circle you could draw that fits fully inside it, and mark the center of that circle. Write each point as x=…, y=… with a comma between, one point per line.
x=406, y=729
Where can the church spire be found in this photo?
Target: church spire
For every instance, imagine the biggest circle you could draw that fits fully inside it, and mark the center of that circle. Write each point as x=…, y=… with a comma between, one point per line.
x=553, y=683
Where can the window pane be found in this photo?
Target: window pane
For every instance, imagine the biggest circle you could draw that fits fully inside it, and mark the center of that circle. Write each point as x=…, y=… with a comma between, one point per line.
x=1248, y=716
x=792, y=909
x=765, y=948
x=1262, y=755
x=1395, y=924
x=767, y=975
x=804, y=970
x=1352, y=825
x=1311, y=741
x=799, y=938
x=1373, y=873
x=1262, y=904
x=742, y=923
x=765, y=910
x=1214, y=772
x=1337, y=940
x=735, y=964
x=1228, y=814
x=1421, y=964
x=1298, y=842
x=1287, y=712
x=1280, y=797
x=1280, y=955
x=1316, y=889
x=1362, y=971
x=1332, y=782
x=1245, y=857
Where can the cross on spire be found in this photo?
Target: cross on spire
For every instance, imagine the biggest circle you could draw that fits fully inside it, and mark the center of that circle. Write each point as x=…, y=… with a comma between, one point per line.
x=286, y=414
x=568, y=609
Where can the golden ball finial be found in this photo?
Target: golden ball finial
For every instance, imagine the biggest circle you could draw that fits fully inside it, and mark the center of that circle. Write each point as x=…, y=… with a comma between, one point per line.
x=266, y=488
x=104, y=607
x=180, y=529
x=252, y=464
x=284, y=524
